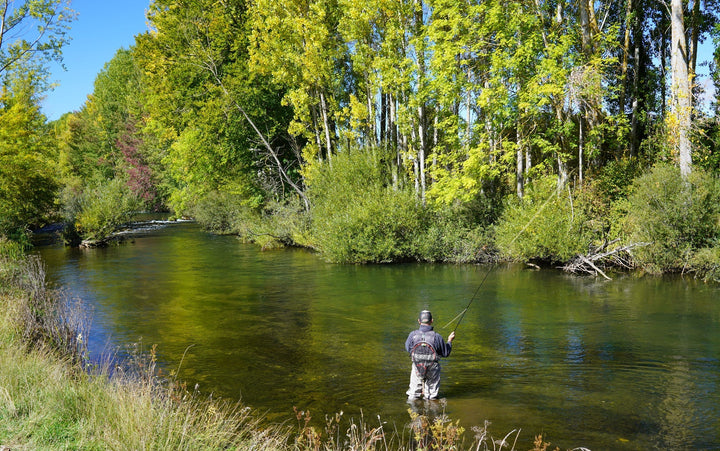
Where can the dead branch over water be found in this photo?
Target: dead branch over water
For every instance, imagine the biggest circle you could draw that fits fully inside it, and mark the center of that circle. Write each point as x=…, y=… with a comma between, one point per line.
x=604, y=257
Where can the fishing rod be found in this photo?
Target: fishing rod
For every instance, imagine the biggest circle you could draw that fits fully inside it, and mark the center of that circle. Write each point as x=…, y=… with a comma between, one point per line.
x=477, y=290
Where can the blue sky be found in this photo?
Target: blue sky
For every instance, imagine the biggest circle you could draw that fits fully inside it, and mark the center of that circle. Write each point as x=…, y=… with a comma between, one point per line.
x=101, y=28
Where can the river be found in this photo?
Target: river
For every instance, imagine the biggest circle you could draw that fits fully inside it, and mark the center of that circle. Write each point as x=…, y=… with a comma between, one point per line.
x=632, y=363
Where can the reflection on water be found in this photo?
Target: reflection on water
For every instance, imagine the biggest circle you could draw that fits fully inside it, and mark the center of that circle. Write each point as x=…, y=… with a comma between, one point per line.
x=626, y=364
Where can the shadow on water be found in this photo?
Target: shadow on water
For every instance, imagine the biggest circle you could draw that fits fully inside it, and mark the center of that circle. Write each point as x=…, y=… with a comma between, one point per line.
x=627, y=364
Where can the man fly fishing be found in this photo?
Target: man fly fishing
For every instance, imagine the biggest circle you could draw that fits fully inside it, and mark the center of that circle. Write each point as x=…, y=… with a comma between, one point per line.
x=426, y=347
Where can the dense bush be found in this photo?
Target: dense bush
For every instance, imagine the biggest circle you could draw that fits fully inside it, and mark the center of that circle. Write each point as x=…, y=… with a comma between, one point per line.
x=216, y=211
x=458, y=234
x=358, y=215
x=548, y=223
x=273, y=224
x=675, y=217
x=102, y=207
x=379, y=225
x=705, y=263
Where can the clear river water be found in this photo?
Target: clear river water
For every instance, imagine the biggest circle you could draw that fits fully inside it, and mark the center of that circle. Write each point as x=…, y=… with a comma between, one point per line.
x=632, y=363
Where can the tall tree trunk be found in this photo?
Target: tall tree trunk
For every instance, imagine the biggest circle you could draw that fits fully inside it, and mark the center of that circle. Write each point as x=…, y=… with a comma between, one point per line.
x=694, y=36
x=468, y=118
x=635, y=103
x=528, y=161
x=663, y=72
x=626, y=55
x=519, y=170
x=585, y=31
x=581, y=148
x=326, y=125
x=681, y=93
x=316, y=126
x=392, y=121
x=421, y=125
x=372, y=127
x=383, y=117
x=421, y=148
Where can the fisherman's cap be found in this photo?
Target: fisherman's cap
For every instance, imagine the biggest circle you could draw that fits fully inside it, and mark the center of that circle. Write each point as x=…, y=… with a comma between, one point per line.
x=425, y=317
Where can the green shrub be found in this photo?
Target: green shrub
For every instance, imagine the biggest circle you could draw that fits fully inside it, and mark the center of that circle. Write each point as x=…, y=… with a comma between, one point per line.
x=615, y=178
x=379, y=225
x=104, y=206
x=10, y=250
x=284, y=223
x=457, y=234
x=548, y=223
x=706, y=264
x=358, y=215
x=675, y=217
x=274, y=224
x=216, y=211
x=11, y=256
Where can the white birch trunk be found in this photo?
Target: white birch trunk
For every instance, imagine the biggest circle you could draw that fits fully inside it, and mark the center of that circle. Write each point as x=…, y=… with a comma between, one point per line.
x=681, y=94
x=519, y=176
x=326, y=126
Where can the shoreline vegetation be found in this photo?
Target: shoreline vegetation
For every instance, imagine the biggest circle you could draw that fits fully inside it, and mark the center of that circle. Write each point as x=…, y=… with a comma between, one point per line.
x=649, y=226
x=53, y=397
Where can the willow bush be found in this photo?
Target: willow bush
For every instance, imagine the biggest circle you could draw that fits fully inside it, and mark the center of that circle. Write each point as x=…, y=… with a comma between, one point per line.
x=676, y=218
x=95, y=211
x=459, y=233
x=358, y=214
x=549, y=223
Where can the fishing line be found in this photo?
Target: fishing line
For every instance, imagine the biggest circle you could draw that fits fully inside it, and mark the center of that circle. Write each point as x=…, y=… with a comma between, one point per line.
x=461, y=315
x=477, y=290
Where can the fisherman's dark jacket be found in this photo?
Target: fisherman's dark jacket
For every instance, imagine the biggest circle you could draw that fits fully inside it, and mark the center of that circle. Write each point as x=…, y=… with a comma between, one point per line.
x=431, y=337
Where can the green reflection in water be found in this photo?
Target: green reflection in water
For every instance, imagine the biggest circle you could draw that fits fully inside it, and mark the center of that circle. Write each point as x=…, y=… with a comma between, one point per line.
x=627, y=364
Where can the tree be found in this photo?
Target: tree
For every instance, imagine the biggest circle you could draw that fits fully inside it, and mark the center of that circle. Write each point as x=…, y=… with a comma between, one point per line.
x=32, y=33
x=217, y=123
x=680, y=119
x=27, y=179
x=296, y=42
x=49, y=21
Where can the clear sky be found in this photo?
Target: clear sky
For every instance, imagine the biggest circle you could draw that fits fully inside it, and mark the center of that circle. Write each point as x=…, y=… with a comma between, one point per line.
x=101, y=28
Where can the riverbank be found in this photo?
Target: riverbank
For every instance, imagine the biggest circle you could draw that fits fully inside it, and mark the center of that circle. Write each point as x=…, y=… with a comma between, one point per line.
x=52, y=398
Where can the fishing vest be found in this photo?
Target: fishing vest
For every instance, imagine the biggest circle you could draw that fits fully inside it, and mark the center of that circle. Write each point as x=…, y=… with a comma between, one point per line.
x=423, y=353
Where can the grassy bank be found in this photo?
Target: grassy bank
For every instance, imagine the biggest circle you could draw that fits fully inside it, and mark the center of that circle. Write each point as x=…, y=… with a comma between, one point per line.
x=52, y=398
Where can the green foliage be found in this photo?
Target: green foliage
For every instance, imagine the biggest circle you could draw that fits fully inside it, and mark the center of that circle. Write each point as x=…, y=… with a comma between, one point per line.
x=459, y=233
x=550, y=224
x=197, y=90
x=706, y=264
x=33, y=30
x=10, y=250
x=104, y=205
x=27, y=179
x=217, y=211
x=675, y=217
x=357, y=216
x=615, y=178
x=270, y=225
